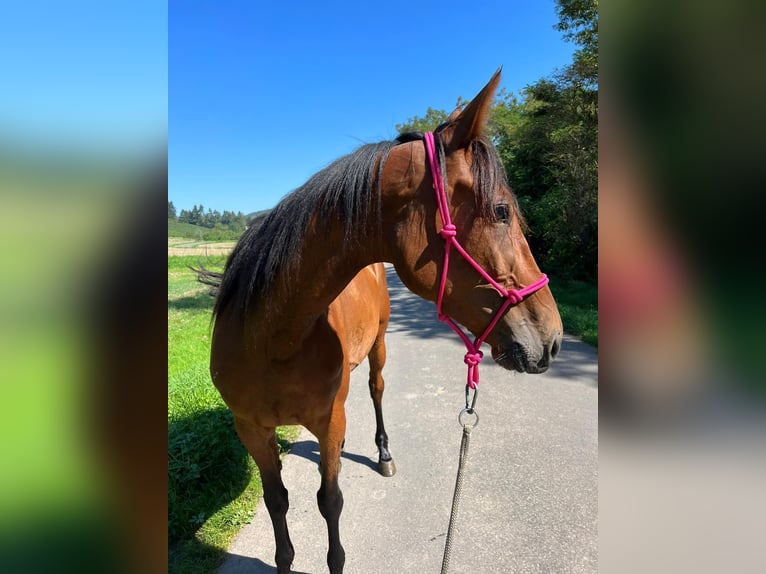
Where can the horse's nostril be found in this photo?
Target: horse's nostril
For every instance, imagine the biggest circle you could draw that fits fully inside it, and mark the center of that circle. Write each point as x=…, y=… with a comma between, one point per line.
x=556, y=347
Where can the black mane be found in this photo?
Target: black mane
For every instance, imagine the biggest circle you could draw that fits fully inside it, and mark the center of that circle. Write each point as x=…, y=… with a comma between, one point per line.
x=347, y=190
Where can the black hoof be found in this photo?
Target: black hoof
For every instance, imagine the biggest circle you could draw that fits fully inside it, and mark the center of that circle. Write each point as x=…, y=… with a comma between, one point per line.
x=387, y=467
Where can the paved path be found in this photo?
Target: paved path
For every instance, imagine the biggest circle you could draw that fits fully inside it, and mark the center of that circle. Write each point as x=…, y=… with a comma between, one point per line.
x=530, y=493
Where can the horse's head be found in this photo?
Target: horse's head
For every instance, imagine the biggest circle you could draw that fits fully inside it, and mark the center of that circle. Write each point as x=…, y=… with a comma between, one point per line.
x=488, y=225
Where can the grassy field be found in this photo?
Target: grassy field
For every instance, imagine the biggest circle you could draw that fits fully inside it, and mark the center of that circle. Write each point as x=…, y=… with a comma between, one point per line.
x=578, y=306
x=213, y=485
x=200, y=233
x=178, y=229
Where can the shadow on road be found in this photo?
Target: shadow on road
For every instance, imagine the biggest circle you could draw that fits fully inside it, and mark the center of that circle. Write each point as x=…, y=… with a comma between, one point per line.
x=576, y=362
x=309, y=449
x=411, y=314
x=236, y=563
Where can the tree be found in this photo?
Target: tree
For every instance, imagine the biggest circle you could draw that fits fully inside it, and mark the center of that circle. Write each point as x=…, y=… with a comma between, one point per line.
x=578, y=20
x=427, y=123
x=551, y=157
x=430, y=121
x=196, y=215
x=171, y=210
x=547, y=140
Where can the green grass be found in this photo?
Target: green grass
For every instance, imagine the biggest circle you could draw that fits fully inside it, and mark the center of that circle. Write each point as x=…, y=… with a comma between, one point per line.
x=178, y=229
x=213, y=484
x=578, y=306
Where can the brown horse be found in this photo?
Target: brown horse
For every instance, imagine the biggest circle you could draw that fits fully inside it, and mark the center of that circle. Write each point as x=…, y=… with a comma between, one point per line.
x=303, y=297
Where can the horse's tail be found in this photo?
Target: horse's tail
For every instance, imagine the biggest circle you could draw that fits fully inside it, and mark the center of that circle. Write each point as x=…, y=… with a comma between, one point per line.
x=211, y=278
x=215, y=278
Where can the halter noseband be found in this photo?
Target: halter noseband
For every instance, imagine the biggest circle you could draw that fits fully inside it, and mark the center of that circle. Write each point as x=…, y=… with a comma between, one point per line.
x=448, y=232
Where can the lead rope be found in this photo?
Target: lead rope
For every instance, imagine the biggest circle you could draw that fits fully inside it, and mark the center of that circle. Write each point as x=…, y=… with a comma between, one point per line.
x=464, y=444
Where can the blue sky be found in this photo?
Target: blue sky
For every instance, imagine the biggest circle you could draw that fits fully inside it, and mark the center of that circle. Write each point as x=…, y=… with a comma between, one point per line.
x=84, y=74
x=253, y=96
x=263, y=95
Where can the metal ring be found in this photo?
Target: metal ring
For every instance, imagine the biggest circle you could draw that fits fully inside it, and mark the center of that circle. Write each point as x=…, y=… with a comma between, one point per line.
x=468, y=412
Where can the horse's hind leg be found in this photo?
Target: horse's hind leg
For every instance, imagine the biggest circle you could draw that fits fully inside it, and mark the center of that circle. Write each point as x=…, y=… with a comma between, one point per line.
x=377, y=359
x=262, y=446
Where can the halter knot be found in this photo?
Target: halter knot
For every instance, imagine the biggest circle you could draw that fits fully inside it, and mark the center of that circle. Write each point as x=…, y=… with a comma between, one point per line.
x=448, y=231
x=473, y=359
x=514, y=296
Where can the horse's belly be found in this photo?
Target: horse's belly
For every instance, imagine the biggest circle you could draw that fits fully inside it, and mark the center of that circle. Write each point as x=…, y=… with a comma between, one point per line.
x=280, y=394
x=357, y=311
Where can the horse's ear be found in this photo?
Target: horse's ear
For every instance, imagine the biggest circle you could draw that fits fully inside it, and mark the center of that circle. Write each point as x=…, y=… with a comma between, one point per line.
x=468, y=124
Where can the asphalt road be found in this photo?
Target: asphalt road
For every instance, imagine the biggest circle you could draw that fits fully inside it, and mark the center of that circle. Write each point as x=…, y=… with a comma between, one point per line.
x=530, y=496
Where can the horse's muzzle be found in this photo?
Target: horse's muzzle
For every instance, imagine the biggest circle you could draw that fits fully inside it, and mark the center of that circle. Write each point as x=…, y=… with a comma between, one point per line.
x=516, y=357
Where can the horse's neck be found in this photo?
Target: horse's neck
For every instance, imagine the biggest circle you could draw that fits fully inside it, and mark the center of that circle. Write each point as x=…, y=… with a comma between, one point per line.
x=327, y=266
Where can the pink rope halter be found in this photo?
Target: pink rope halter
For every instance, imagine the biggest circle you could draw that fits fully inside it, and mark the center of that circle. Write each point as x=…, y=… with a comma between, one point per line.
x=448, y=232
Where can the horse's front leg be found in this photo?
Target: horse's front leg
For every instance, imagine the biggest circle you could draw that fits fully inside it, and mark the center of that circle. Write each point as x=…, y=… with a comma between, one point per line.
x=329, y=496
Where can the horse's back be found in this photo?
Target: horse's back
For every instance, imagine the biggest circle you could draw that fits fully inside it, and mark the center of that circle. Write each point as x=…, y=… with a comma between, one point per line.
x=360, y=312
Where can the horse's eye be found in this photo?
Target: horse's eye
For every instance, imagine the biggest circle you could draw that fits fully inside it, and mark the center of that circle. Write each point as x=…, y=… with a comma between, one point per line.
x=503, y=213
